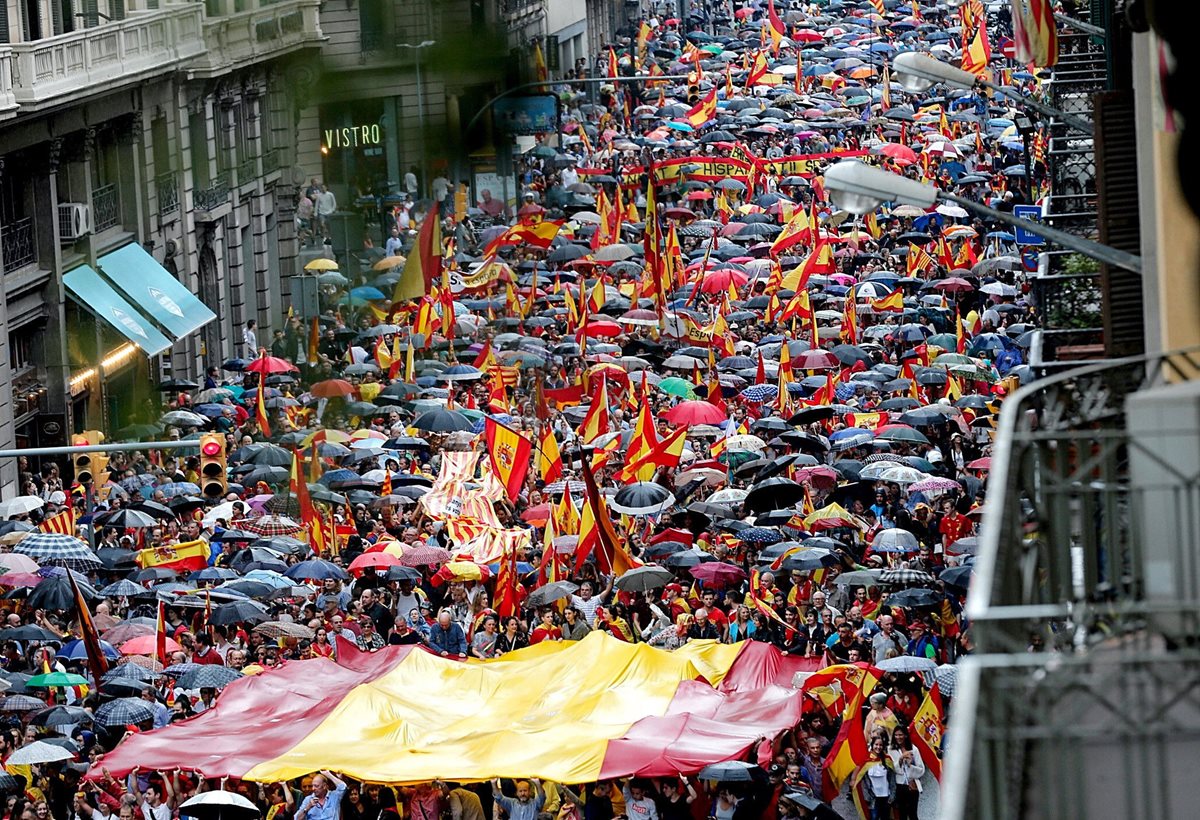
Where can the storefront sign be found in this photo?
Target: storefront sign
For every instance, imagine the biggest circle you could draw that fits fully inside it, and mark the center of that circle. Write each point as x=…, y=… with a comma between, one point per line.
x=354, y=136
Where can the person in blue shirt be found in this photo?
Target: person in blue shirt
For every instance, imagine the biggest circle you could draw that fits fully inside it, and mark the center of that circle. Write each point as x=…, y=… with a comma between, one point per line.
x=527, y=803
x=447, y=638
x=326, y=799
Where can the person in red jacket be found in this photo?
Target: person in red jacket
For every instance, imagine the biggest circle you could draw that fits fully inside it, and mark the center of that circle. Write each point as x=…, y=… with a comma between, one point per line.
x=547, y=630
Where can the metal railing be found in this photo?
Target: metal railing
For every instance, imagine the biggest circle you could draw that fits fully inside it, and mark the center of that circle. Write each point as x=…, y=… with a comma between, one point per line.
x=106, y=207
x=270, y=161
x=212, y=196
x=1074, y=678
x=166, y=187
x=247, y=170
x=18, y=245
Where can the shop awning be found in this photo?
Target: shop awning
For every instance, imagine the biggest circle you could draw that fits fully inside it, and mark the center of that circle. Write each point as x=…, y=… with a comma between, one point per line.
x=153, y=289
x=100, y=297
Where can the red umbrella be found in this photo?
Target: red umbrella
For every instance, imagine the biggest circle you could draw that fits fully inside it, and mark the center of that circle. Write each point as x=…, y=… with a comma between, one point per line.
x=692, y=413
x=984, y=463
x=332, y=388
x=20, y=579
x=732, y=228
x=717, y=281
x=270, y=364
x=815, y=360
x=718, y=573
x=373, y=560
x=954, y=285
x=821, y=476
x=899, y=153
x=679, y=213
x=808, y=36
x=424, y=555
x=147, y=645
x=600, y=329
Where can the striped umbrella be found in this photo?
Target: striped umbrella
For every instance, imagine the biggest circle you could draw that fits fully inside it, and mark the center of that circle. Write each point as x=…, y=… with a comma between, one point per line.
x=51, y=548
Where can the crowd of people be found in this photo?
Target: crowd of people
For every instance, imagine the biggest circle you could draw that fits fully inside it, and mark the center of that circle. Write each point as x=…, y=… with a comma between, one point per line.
x=782, y=415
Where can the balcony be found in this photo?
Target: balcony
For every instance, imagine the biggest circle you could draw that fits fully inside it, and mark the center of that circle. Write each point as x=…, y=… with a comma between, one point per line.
x=8, y=99
x=247, y=171
x=73, y=66
x=18, y=244
x=209, y=200
x=106, y=207
x=270, y=161
x=166, y=187
x=1088, y=555
x=244, y=38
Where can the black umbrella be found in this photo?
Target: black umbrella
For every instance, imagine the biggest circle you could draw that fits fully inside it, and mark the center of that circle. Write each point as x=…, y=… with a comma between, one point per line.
x=689, y=558
x=61, y=716
x=128, y=518
x=773, y=494
x=271, y=456
x=28, y=632
x=316, y=570
x=55, y=593
x=238, y=612
x=154, y=574
x=443, y=421
x=402, y=574
x=915, y=597
x=642, y=498
x=159, y=511
x=549, y=593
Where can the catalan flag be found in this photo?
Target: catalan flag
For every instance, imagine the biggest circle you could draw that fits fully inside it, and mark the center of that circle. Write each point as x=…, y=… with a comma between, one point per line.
x=62, y=523
x=978, y=53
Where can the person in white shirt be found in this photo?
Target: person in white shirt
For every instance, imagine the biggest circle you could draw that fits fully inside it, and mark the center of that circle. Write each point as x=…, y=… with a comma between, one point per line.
x=326, y=205
x=909, y=768
x=250, y=339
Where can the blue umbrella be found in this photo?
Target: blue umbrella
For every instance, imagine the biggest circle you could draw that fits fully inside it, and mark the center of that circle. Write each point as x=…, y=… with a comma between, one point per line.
x=760, y=535
x=367, y=294
x=760, y=392
x=178, y=488
x=316, y=570
x=76, y=651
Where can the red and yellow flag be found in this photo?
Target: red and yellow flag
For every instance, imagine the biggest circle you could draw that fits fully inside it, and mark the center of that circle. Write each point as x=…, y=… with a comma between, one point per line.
x=928, y=727
x=62, y=523
x=260, y=404
x=190, y=555
x=758, y=70
x=595, y=423
x=508, y=452
x=596, y=533
x=549, y=458
x=892, y=303
x=704, y=110
x=776, y=30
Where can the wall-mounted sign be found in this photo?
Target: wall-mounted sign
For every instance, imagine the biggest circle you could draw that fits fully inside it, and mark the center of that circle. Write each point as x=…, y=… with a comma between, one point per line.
x=354, y=136
x=536, y=114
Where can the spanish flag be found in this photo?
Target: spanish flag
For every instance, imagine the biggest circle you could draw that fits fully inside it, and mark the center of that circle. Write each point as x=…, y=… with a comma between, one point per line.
x=960, y=334
x=849, y=749
x=892, y=303
x=509, y=453
x=775, y=27
x=596, y=533
x=820, y=261
x=704, y=110
x=566, y=514
x=549, y=458
x=62, y=523
x=758, y=70
x=315, y=525
x=850, y=320
x=260, y=405
x=190, y=555
x=798, y=229
x=665, y=453
x=595, y=423
x=423, y=263
x=539, y=235
x=928, y=727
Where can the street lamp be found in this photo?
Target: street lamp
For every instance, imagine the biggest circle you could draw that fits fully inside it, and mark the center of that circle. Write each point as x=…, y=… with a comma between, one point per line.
x=417, y=48
x=859, y=189
x=918, y=72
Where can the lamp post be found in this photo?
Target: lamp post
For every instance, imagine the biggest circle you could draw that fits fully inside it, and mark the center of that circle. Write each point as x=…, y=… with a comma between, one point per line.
x=417, y=48
x=860, y=189
x=918, y=72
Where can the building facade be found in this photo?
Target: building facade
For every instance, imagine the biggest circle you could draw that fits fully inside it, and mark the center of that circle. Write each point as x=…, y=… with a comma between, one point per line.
x=152, y=144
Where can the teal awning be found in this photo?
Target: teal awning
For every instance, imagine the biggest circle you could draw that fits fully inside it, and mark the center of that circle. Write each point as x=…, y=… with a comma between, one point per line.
x=152, y=288
x=100, y=297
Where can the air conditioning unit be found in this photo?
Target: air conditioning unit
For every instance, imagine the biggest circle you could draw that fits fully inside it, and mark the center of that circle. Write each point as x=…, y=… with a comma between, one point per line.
x=74, y=220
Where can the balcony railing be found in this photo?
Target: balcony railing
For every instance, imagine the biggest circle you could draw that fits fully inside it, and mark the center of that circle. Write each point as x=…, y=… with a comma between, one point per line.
x=270, y=161
x=18, y=243
x=74, y=65
x=246, y=37
x=8, y=99
x=1077, y=665
x=106, y=207
x=213, y=195
x=247, y=171
x=167, y=188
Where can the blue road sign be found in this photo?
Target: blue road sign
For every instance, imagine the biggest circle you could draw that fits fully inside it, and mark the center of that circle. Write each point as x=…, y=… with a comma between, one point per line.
x=1034, y=214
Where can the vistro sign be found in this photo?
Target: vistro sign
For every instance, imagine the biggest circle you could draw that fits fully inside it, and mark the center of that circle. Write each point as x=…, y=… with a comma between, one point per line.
x=354, y=136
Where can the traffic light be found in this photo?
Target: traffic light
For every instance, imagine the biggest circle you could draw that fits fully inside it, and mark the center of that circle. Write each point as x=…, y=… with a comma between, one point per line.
x=88, y=465
x=212, y=465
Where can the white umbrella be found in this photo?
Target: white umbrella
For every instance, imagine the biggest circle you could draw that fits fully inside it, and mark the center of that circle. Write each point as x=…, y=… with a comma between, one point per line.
x=21, y=505
x=223, y=510
x=219, y=804
x=38, y=752
x=731, y=495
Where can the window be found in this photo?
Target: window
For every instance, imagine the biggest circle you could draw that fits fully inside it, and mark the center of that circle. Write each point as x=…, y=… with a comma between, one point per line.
x=21, y=350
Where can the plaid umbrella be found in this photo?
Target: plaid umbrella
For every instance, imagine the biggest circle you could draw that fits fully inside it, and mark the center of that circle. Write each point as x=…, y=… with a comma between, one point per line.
x=933, y=484
x=178, y=670
x=124, y=711
x=284, y=629
x=424, y=556
x=11, y=782
x=760, y=392
x=906, y=576
x=128, y=671
x=58, y=550
x=21, y=703
x=560, y=487
x=122, y=589
x=209, y=677
x=269, y=525
x=946, y=676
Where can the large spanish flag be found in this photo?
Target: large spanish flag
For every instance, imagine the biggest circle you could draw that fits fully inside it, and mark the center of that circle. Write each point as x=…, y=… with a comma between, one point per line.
x=575, y=712
x=190, y=555
x=509, y=453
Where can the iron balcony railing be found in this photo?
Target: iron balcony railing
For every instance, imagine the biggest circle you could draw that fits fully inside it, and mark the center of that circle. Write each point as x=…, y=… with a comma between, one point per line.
x=1080, y=700
x=18, y=245
x=214, y=195
x=167, y=188
x=106, y=207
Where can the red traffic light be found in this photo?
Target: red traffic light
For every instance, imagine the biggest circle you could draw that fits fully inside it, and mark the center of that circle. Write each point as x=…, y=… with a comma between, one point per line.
x=211, y=448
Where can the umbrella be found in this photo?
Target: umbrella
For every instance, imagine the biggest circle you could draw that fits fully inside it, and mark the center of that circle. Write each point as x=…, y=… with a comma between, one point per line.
x=28, y=632
x=316, y=570
x=284, y=629
x=40, y=751
x=77, y=651
x=236, y=612
x=718, y=573
x=209, y=677
x=424, y=555
x=774, y=494
x=894, y=540
x=55, y=593
x=51, y=679
x=220, y=805
x=21, y=703
x=61, y=716
x=49, y=548
x=644, y=578
x=957, y=576
x=443, y=421
x=730, y=771
x=914, y=598
x=549, y=593
x=123, y=712
x=691, y=413
x=858, y=578
x=642, y=498
x=21, y=505
x=905, y=664
x=906, y=576
x=147, y=645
